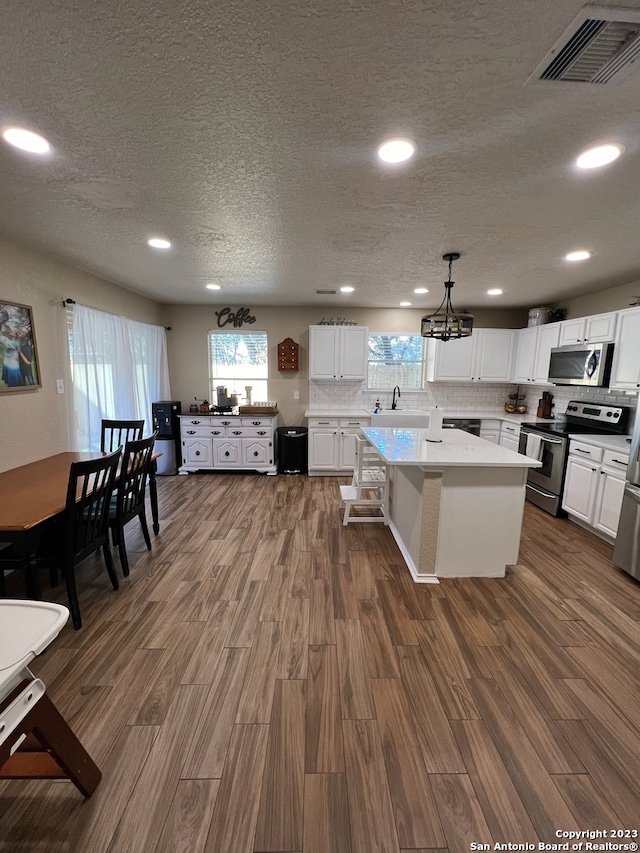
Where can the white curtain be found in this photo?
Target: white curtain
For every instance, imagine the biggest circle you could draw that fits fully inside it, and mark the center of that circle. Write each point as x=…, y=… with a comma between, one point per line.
x=119, y=367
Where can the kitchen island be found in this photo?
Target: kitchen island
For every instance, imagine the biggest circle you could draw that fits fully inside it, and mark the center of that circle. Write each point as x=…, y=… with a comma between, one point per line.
x=456, y=506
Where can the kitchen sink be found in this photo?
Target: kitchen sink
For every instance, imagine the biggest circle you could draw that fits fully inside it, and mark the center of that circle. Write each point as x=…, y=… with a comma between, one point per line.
x=416, y=418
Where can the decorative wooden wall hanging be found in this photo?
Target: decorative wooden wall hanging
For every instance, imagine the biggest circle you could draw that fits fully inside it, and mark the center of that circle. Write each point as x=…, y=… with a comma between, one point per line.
x=288, y=355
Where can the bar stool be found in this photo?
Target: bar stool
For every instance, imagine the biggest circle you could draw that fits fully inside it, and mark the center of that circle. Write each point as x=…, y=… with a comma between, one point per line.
x=35, y=740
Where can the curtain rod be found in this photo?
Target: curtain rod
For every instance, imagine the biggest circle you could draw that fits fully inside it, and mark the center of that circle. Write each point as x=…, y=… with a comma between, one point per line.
x=66, y=302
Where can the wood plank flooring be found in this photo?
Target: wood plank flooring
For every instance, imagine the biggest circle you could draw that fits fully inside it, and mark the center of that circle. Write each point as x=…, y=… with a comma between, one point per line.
x=267, y=680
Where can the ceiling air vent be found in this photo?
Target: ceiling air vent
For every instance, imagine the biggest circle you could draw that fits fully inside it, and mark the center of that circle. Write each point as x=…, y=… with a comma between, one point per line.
x=597, y=46
x=326, y=292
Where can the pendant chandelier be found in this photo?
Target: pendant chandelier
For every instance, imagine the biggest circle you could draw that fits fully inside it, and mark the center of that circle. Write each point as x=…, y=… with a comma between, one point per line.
x=446, y=323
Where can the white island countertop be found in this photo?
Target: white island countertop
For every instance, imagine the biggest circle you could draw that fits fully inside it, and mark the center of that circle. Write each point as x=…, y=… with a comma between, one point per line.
x=457, y=449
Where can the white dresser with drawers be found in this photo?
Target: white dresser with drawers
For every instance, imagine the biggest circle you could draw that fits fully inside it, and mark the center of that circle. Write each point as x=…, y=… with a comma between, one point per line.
x=233, y=442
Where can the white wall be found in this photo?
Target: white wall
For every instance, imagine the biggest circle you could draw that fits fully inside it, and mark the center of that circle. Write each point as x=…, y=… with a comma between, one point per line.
x=613, y=299
x=35, y=424
x=188, y=357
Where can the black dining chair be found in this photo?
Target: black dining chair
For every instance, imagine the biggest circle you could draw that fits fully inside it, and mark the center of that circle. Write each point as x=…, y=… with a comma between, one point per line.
x=86, y=522
x=129, y=500
x=116, y=433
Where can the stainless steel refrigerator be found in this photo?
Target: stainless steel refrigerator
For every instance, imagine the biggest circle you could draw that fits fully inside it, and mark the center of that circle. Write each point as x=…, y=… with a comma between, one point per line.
x=626, y=553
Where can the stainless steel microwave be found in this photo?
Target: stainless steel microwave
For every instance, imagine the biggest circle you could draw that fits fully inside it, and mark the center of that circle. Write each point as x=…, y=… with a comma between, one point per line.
x=581, y=364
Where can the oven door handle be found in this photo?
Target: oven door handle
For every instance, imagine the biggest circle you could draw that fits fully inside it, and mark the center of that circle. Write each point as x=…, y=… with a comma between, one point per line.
x=551, y=440
x=541, y=491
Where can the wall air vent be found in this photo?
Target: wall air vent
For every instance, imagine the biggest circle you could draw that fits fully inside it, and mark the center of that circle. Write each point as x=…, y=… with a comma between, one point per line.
x=326, y=292
x=598, y=46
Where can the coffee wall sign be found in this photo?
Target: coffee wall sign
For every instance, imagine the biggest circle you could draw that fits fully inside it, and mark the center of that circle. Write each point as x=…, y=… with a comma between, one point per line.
x=227, y=317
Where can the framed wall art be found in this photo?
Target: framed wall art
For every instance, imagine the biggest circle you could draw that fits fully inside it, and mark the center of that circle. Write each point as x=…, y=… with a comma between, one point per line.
x=19, y=367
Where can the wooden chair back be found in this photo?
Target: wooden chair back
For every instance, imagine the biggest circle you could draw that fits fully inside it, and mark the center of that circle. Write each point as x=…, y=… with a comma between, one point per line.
x=136, y=461
x=116, y=433
x=89, y=494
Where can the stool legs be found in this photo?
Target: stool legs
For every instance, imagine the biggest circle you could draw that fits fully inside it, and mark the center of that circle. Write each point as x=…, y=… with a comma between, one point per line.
x=52, y=751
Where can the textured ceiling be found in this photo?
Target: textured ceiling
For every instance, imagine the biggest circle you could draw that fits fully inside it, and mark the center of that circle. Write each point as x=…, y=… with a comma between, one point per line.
x=245, y=132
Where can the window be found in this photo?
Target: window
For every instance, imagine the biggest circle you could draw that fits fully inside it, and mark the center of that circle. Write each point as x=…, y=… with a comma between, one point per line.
x=238, y=360
x=118, y=367
x=396, y=360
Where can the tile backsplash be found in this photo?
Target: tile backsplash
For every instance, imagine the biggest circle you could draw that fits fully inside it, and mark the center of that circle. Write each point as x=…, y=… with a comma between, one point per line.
x=460, y=396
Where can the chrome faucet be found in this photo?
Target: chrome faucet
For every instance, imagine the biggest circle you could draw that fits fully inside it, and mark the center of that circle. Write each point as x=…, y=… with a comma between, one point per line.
x=393, y=402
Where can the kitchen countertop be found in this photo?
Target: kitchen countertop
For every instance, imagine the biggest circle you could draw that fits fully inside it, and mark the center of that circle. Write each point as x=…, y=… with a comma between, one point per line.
x=484, y=414
x=457, y=449
x=608, y=442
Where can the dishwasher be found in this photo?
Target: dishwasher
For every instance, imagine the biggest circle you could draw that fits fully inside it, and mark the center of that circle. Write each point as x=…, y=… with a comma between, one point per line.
x=471, y=425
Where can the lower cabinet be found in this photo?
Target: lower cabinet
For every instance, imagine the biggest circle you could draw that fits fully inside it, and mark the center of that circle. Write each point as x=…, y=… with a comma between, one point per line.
x=332, y=444
x=510, y=436
x=594, y=487
x=490, y=431
x=228, y=442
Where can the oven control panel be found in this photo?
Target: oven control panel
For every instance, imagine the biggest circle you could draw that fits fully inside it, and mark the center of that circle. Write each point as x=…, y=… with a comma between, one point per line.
x=596, y=412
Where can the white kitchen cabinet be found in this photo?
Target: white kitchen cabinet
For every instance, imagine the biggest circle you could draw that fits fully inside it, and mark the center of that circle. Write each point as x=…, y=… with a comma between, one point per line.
x=580, y=485
x=197, y=453
x=625, y=371
x=227, y=453
x=490, y=430
x=228, y=441
x=485, y=356
x=338, y=353
x=533, y=352
x=597, y=328
x=332, y=444
x=526, y=343
x=323, y=443
x=594, y=486
x=606, y=511
x=510, y=436
x=548, y=337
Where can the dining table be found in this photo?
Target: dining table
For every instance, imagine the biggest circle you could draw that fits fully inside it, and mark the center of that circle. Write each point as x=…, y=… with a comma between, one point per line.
x=34, y=494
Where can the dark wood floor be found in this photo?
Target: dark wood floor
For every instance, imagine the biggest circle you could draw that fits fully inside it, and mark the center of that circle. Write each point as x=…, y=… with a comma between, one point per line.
x=267, y=680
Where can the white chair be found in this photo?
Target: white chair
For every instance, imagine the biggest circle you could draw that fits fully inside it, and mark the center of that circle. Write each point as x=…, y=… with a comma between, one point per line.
x=369, y=489
x=35, y=740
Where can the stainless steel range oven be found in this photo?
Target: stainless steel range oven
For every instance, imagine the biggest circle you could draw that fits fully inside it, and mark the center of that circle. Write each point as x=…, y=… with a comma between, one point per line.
x=548, y=441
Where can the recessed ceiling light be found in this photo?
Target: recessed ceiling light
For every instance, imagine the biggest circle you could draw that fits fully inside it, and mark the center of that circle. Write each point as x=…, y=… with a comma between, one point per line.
x=599, y=156
x=580, y=255
x=347, y=289
x=396, y=150
x=421, y=290
x=26, y=140
x=212, y=286
x=405, y=304
x=495, y=291
x=159, y=243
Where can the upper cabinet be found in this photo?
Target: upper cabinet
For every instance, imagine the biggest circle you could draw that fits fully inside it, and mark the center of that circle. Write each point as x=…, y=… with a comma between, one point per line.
x=338, y=352
x=625, y=371
x=592, y=330
x=533, y=351
x=486, y=356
